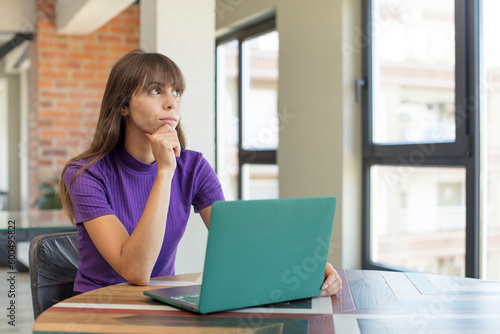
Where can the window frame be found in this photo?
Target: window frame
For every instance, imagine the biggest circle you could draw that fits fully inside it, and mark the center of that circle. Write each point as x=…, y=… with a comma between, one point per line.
x=464, y=152
x=245, y=157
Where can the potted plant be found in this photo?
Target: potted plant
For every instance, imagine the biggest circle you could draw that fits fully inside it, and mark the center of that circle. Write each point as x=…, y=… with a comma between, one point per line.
x=49, y=196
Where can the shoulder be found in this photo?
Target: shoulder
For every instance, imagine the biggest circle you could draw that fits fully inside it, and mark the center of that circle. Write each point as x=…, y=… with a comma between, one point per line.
x=191, y=159
x=88, y=168
x=193, y=163
x=189, y=155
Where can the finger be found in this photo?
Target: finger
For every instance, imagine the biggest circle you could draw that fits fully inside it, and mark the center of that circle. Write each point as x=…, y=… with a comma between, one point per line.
x=165, y=128
x=330, y=274
x=332, y=283
x=177, y=150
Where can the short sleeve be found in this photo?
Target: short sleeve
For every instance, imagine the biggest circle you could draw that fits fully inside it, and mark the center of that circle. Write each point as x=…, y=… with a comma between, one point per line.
x=88, y=194
x=207, y=188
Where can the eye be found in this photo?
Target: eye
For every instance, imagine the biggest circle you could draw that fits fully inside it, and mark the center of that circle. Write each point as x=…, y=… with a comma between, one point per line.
x=155, y=91
x=176, y=92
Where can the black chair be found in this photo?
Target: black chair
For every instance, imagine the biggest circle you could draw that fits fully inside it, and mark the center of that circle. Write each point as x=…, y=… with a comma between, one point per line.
x=53, y=266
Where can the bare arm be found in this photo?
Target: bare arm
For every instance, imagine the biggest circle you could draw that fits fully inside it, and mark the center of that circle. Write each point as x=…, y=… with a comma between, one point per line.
x=205, y=214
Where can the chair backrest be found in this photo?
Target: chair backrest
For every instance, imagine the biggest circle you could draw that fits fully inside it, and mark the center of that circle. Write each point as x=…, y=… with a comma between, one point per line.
x=53, y=262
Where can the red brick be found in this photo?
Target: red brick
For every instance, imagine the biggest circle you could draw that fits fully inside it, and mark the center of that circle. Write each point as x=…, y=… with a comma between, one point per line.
x=82, y=95
x=115, y=20
x=97, y=66
x=45, y=142
x=95, y=85
x=94, y=105
x=95, y=47
x=81, y=56
x=53, y=74
x=61, y=163
x=110, y=57
x=121, y=48
x=67, y=143
x=83, y=75
x=103, y=76
x=45, y=162
x=67, y=124
x=61, y=45
x=45, y=123
x=53, y=54
x=46, y=104
x=45, y=83
x=131, y=21
x=52, y=114
x=46, y=4
x=72, y=105
x=53, y=94
x=81, y=134
x=69, y=64
x=90, y=125
x=45, y=23
x=110, y=38
x=54, y=152
x=122, y=30
x=45, y=44
x=132, y=40
x=67, y=84
x=53, y=133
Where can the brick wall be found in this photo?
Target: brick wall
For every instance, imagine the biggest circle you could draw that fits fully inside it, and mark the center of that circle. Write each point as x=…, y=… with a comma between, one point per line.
x=68, y=75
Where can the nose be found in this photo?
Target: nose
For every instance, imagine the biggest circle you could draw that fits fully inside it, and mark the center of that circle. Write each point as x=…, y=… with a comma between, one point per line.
x=169, y=102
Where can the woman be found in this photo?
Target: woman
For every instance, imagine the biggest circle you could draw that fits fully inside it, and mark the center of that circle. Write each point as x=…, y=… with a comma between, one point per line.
x=131, y=192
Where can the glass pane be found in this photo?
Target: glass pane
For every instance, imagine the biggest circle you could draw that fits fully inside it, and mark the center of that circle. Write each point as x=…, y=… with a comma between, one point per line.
x=260, y=181
x=227, y=118
x=418, y=218
x=490, y=139
x=413, y=71
x=260, y=92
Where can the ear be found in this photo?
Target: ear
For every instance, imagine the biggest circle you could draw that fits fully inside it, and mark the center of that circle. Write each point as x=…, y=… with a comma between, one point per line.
x=124, y=111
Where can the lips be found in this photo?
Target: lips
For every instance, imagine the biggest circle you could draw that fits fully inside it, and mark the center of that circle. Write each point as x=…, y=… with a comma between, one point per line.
x=169, y=120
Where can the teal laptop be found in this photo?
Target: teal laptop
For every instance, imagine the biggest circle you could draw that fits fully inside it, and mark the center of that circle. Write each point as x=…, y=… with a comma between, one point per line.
x=259, y=252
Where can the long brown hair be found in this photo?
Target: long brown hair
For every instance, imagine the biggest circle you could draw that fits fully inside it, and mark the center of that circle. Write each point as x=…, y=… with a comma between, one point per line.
x=126, y=79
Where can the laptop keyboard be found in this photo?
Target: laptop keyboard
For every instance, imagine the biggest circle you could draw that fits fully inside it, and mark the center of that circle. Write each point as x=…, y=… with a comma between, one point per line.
x=191, y=299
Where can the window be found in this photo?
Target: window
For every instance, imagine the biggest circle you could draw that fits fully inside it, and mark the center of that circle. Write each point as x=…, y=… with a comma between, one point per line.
x=247, y=112
x=420, y=145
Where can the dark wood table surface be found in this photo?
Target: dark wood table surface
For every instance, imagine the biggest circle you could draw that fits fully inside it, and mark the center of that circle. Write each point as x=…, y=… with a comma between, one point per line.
x=371, y=302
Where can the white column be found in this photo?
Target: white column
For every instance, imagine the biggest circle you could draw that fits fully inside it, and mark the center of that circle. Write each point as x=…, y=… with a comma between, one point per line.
x=184, y=31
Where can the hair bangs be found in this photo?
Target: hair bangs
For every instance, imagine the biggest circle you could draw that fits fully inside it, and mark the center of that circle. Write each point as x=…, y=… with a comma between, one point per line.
x=159, y=69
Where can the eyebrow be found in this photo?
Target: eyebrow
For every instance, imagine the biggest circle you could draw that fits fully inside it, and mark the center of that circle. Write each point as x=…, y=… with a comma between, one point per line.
x=155, y=83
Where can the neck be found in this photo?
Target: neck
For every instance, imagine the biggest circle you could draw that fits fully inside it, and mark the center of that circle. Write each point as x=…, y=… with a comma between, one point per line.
x=139, y=147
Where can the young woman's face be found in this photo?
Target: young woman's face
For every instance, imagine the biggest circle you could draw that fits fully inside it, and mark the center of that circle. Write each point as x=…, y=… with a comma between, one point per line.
x=152, y=107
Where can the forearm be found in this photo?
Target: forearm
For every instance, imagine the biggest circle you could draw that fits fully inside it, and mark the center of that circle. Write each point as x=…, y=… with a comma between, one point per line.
x=140, y=251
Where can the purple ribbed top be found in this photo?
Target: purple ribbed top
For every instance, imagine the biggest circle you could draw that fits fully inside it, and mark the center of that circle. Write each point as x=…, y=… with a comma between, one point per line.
x=120, y=185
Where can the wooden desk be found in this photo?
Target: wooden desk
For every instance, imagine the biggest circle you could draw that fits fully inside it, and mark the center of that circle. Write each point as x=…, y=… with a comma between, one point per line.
x=371, y=302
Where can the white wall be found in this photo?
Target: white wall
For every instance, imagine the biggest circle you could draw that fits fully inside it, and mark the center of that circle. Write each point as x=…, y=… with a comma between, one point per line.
x=17, y=16
x=13, y=126
x=185, y=32
x=4, y=138
x=320, y=138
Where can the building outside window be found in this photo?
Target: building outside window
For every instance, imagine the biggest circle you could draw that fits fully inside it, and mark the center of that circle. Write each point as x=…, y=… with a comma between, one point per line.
x=247, y=112
x=421, y=137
